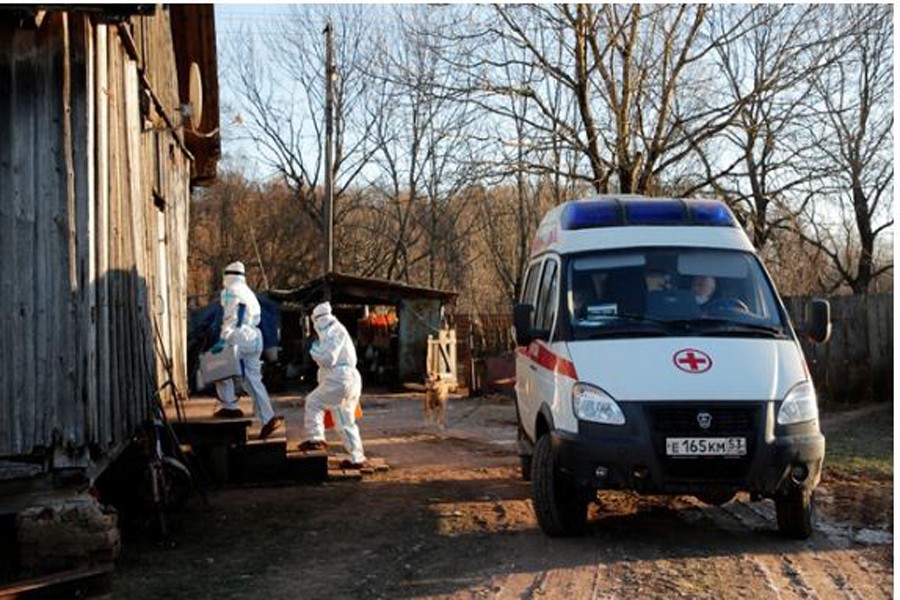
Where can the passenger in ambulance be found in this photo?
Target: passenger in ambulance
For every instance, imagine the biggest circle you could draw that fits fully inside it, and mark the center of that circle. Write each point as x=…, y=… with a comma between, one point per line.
x=703, y=287
x=658, y=280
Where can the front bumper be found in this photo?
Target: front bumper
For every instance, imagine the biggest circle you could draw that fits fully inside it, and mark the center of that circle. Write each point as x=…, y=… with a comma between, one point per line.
x=632, y=457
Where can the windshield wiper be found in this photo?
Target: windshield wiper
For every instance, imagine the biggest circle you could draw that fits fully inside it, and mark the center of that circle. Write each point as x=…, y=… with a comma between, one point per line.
x=725, y=326
x=659, y=325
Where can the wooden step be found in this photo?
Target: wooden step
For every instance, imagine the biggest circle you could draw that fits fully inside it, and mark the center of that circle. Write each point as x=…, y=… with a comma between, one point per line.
x=212, y=432
x=376, y=465
x=306, y=466
x=258, y=461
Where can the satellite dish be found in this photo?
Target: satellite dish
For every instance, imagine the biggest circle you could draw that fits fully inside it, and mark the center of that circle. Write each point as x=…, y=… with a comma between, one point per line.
x=195, y=97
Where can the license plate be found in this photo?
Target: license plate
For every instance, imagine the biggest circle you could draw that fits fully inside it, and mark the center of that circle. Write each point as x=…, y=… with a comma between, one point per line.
x=693, y=446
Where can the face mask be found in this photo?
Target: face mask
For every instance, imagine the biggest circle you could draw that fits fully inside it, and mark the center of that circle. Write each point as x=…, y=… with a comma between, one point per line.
x=322, y=323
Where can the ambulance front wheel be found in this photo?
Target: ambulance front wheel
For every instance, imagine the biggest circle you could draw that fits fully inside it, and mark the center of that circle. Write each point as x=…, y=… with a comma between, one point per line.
x=560, y=506
x=795, y=513
x=524, y=459
x=525, y=464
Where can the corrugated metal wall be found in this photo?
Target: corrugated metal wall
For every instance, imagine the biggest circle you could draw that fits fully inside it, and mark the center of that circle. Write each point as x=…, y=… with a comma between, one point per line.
x=93, y=233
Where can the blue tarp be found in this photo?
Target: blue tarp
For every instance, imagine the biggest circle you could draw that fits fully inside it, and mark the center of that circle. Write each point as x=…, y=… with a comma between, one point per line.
x=204, y=324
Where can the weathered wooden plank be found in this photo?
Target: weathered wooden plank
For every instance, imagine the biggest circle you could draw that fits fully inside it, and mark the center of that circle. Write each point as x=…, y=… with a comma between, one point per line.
x=88, y=185
x=117, y=379
x=839, y=358
x=137, y=245
x=884, y=322
x=84, y=397
x=47, y=202
x=179, y=352
x=125, y=316
x=859, y=340
x=67, y=407
x=11, y=113
x=23, y=180
x=60, y=388
x=8, y=113
x=104, y=388
x=23, y=298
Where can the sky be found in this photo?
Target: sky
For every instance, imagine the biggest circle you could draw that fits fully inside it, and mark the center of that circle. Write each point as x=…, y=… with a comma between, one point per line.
x=232, y=22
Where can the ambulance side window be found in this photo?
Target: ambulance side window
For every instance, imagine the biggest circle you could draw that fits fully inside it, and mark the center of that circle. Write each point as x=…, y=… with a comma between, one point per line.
x=545, y=311
x=531, y=280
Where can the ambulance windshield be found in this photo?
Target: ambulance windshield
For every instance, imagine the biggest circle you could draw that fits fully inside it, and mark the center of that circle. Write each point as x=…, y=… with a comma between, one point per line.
x=671, y=291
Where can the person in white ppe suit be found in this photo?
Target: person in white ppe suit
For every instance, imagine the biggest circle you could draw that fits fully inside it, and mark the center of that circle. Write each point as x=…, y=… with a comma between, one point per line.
x=340, y=386
x=240, y=328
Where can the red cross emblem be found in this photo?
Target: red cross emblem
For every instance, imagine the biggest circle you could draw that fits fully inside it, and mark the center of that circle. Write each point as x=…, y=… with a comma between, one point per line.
x=690, y=360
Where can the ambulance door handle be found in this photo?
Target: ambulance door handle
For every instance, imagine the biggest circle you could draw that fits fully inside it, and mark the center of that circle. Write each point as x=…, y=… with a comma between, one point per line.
x=532, y=367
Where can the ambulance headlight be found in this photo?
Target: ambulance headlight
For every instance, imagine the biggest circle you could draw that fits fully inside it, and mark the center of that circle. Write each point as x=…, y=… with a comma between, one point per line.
x=799, y=405
x=593, y=404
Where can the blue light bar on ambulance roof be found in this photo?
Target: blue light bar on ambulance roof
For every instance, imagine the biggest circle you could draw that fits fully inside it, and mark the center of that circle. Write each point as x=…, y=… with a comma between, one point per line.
x=617, y=212
x=655, y=212
x=711, y=212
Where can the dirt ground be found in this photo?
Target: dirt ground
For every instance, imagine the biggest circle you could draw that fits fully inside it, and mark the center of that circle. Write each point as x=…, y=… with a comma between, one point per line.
x=452, y=519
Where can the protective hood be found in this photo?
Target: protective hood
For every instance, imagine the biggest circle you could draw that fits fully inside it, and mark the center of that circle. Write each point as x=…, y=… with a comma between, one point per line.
x=234, y=273
x=690, y=368
x=322, y=323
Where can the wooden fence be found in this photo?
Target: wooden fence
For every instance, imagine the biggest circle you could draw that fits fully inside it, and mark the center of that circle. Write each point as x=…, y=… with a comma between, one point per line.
x=856, y=365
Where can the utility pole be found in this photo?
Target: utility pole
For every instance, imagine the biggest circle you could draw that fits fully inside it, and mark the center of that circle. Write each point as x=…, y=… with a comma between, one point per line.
x=328, y=200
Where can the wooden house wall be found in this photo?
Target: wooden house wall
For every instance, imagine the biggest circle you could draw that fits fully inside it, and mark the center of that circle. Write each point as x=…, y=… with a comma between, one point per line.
x=93, y=231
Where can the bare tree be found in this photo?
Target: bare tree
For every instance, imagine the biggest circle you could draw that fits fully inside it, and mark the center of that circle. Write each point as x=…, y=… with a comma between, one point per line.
x=218, y=230
x=422, y=136
x=854, y=142
x=281, y=97
x=770, y=71
x=239, y=219
x=640, y=81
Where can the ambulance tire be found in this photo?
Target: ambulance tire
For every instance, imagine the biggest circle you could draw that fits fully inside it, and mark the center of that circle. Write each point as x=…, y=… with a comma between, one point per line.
x=716, y=498
x=525, y=463
x=796, y=513
x=524, y=459
x=560, y=506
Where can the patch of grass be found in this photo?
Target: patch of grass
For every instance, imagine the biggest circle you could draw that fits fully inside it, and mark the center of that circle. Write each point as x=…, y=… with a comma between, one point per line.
x=860, y=445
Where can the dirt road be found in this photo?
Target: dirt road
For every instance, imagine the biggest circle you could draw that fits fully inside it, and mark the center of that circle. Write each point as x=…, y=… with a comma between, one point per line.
x=451, y=519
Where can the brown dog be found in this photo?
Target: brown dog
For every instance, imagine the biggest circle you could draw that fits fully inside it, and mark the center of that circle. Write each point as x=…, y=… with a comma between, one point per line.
x=435, y=401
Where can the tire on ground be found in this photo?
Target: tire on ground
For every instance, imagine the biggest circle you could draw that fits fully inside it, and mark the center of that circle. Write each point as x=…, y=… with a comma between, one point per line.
x=560, y=507
x=795, y=513
x=525, y=466
x=524, y=459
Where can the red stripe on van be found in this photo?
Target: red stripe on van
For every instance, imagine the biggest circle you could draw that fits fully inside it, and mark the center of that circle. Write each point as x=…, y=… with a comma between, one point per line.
x=542, y=355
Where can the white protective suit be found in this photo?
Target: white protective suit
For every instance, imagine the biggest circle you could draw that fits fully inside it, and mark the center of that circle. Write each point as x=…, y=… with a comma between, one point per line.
x=340, y=384
x=240, y=327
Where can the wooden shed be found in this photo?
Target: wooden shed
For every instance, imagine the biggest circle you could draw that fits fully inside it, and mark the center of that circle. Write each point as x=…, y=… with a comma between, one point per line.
x=100, y=144
x=419, y=311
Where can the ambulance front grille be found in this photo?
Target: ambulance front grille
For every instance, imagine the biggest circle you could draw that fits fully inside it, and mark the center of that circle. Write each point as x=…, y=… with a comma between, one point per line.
x=724, y=419
x=685, y=420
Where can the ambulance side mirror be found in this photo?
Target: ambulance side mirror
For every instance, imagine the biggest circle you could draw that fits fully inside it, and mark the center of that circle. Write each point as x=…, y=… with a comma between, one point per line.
x=522, y=323
x=818, y=320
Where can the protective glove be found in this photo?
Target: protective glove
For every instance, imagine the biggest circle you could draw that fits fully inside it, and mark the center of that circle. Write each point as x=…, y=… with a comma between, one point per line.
x=220, y=345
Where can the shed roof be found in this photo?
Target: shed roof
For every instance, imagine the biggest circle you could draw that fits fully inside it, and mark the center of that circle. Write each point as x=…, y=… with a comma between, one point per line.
x=349, y=289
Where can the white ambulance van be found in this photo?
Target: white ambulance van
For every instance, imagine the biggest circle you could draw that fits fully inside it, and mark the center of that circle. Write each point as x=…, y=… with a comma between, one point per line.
x=655, y=355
